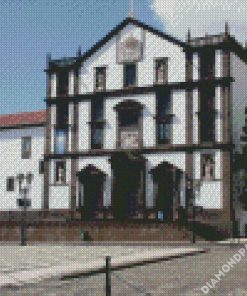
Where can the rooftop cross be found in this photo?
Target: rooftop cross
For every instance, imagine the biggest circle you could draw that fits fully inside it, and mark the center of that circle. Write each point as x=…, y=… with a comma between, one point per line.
x=132, y=9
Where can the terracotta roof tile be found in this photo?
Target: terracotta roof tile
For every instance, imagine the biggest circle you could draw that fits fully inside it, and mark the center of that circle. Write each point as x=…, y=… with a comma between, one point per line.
x=26, y=118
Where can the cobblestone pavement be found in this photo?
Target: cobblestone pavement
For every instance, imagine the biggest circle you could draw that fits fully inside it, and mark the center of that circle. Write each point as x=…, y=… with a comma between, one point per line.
x=177, y=277
x=15, y=259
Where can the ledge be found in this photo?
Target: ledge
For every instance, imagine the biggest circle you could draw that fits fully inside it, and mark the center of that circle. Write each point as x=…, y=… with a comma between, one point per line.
x=186, y=85
x=165, y=148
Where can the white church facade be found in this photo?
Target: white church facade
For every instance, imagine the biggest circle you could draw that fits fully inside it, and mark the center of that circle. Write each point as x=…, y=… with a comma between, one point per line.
x=140, y=127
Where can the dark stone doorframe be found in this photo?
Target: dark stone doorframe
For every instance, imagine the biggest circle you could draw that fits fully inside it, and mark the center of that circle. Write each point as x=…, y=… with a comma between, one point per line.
x=123, y=165
x=92, y=179
x=160, y=174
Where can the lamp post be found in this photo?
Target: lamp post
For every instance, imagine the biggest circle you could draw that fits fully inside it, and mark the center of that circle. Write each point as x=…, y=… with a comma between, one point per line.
x=24, y=203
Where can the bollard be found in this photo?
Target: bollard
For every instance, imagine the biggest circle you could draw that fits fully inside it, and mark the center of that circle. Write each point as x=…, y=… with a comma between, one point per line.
x=108, y=276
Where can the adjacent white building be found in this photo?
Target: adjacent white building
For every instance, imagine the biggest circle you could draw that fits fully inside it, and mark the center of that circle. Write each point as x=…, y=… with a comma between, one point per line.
x=22, y=140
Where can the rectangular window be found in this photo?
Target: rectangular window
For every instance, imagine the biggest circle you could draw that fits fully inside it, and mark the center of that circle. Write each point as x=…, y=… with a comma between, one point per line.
x=207, y=64
x=100, y=79
x=207, y=114
x=10, y=185
x=62, y=83
x=207, y=167
x=41, y=167
x=164, y=118
x=97, y=123
x=161, y=70
x=26, y=147
x=97, y=138
x=130, y=75
x=62, y=115
x=97, y=109
x=61, y=141
x=60, y=177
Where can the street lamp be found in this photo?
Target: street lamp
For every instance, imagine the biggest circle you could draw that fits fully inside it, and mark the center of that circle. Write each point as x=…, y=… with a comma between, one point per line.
x=24, y=203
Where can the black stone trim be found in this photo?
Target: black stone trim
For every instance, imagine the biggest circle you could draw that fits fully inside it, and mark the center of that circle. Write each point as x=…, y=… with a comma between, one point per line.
x=164, y=148
x=188, y=85
x=109, y=36
x=230, y=44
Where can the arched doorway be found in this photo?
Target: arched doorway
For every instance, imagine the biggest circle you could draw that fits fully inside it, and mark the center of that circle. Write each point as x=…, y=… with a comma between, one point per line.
x=128, y=187
x=91, y=181
x=167, y=190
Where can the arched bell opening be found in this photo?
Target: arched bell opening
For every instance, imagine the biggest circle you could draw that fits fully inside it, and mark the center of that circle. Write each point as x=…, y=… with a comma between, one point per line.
x=91, y=191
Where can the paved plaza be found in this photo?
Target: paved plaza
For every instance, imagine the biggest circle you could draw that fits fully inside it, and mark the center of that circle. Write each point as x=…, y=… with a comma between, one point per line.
x=177, y=277
x=24, y=265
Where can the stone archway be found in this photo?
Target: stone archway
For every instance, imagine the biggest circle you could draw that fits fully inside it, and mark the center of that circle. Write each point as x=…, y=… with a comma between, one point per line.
x=128, y=187
x=91, y=192
x=167, y=190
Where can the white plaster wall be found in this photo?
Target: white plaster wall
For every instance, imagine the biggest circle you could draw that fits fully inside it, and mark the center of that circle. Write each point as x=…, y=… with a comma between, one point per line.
x=71, y=121
x=195, y=116
x=71, y=83
x=59, y=195
x=12, y=164
x=155, y=47
x=218, y=63
x=53, y=123
x=149, y=111
x=219, y=114
x=100, y=162
x=53, y=85
x=210, y=195
x=179, y=121
x=195, y=66
x=83, y=126
x=239, y=97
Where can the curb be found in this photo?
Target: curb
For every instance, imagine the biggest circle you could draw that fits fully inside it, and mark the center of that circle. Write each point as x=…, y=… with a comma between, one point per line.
x=132, y=263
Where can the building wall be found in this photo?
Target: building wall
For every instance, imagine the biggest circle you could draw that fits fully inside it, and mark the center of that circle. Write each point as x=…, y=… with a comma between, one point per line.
x=149, y=123
x=218, y=117
x=210, y=194
x=149, y=110
x=102, y=163
x=12, y=164
x=239, y=103
x=239, y=95
x=59, y=197
x=154, y=47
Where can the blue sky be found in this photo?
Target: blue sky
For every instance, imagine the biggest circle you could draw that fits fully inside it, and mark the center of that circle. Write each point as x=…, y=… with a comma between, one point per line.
x=31, y=28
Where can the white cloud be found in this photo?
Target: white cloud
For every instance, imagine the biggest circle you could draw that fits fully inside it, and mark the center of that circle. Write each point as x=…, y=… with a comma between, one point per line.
x=202, y=16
